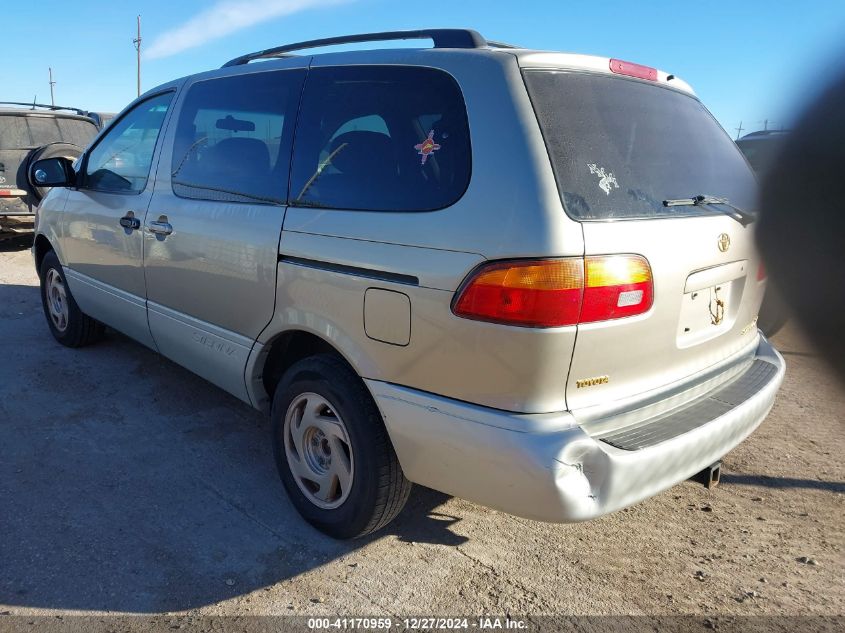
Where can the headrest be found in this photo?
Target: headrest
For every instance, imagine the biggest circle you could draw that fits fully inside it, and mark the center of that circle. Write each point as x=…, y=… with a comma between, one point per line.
x=244, y=153
x=364, y=154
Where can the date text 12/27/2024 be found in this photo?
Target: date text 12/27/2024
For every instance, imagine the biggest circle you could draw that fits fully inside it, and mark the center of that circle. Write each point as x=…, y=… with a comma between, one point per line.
x=417, y=623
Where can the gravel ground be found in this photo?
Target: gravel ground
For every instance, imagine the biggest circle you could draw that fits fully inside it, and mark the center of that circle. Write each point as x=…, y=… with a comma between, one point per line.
x=128, y=485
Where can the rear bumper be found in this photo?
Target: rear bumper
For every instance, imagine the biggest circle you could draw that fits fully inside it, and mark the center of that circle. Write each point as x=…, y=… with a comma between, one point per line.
x=11, y=206
x=546, y=467
x=17, y=217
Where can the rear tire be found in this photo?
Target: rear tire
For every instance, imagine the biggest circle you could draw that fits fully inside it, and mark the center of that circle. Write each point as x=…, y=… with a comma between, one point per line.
x=332, y=450
x=68, y=324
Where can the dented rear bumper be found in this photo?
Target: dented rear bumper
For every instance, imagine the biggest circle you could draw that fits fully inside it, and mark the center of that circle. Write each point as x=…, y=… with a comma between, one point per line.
x=547, y=467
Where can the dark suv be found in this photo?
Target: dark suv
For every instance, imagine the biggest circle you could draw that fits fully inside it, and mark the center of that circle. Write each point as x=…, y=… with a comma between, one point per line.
x=26, y=135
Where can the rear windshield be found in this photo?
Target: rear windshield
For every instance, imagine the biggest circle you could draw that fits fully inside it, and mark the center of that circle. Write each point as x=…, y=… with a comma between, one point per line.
x=620, y=147
x=21, y=132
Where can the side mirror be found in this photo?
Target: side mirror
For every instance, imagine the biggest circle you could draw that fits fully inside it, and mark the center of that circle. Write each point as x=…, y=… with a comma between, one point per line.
x=52, y=172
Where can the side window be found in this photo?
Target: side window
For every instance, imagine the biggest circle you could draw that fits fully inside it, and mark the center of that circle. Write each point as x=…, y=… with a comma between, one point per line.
x=381, y=138
x=121, y=161
x=234, y=135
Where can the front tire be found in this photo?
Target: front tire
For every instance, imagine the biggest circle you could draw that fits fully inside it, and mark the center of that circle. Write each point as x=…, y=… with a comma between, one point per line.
x=332, y=450
x=68, y=324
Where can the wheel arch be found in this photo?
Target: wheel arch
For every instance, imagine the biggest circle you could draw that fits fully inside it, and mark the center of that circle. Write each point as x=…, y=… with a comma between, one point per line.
x=268, y=362
x=40, y=247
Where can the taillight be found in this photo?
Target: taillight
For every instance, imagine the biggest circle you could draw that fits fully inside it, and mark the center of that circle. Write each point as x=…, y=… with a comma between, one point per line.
x=11, y=193
x=633, y=70
x=616, y=286
x=761, y=272
x=557, y=292
x=537, y=293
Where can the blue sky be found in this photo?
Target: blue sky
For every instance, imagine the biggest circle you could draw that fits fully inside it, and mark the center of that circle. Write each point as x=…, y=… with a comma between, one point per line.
x=749, y=60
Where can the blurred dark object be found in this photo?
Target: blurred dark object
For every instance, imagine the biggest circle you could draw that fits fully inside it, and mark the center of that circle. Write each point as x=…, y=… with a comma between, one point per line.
x=760, y=149
x=801, y=232
x=774, y=311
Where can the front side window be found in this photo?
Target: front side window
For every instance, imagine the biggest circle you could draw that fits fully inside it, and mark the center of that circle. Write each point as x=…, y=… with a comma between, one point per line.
x=381, y=138
x=121, y=161
x=233, y=138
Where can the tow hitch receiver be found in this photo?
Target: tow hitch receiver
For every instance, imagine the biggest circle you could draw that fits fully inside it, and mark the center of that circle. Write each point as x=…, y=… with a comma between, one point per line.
x=709, y=476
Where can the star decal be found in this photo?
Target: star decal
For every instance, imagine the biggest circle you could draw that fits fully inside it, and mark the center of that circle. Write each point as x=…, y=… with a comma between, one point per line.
x=427, y=147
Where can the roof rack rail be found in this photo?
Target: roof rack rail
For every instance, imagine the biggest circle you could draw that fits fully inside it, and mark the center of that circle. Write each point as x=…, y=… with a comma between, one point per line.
x=32, y=106
x=442, y=38
x=494, y=44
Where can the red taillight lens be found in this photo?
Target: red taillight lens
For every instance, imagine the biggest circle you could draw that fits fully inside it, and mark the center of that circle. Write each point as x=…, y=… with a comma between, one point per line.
x=616, y=286
x=544, y=293
x=633, y=70
x=557, y=292
x=761, y=272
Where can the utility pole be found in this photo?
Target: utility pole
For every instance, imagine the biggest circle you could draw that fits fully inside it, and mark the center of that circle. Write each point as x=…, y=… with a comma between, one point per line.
x=137, y=43
x=739, y=130
x=52, y=83
x=765, y=124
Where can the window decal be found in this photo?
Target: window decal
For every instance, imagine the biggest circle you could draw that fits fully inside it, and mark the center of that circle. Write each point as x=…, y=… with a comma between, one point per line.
x=427, y=147
x=606, y=179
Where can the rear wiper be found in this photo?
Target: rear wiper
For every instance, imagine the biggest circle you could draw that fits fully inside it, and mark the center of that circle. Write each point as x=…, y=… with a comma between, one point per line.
x=743, y=217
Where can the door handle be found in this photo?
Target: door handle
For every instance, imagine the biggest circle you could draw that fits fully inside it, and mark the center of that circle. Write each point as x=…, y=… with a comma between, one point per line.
x=160, y=227
x=129, y=221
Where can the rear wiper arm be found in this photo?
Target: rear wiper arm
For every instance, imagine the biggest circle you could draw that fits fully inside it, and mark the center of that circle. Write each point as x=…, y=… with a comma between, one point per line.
x=743, y=217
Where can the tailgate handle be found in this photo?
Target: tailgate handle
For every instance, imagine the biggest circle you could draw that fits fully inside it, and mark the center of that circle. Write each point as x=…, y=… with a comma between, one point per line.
x=716, y=275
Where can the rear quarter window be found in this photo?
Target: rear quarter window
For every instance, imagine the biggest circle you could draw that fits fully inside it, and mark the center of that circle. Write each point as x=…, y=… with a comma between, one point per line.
x=381, y=138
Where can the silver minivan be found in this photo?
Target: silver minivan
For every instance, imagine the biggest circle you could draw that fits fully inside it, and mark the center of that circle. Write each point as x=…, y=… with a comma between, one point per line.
x=524, y=278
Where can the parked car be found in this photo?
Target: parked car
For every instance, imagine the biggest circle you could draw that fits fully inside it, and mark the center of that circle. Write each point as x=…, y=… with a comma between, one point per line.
x=26, y=135
x=523, y=278
x=102, y=119
x=760, y=149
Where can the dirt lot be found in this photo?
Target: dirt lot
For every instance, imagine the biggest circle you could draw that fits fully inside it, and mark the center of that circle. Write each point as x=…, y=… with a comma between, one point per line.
x=129, y=485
